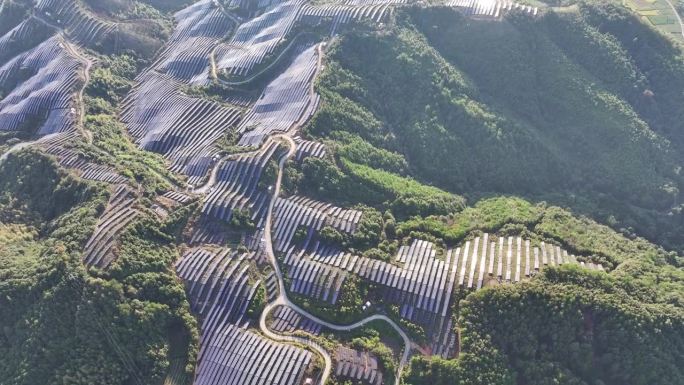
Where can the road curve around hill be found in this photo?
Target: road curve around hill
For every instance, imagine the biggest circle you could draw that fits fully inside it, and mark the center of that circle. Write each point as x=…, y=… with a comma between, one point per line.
x=22, y=145
x=267, y=244
x=283, y=300
x=679, y=19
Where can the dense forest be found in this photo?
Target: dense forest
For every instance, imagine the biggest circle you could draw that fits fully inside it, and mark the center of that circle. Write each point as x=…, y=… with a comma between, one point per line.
x=63, y=325
x=564, y=327
x=578, y=108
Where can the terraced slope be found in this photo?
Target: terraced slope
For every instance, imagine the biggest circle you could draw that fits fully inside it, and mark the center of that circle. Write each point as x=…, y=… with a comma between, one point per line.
x=249, y=357
x=106, y=32
x=237, y=187
x=40, y=89
x=199, y=28
x=286, y=101
x=256, y=38
x=61, y=147
x=196, y=53
x=357, y=365
x=182, y=128
x=219, y=292
x=493, y=9
x=118, y=213
x=24, y=35
x=218, y=286
x=80, y=25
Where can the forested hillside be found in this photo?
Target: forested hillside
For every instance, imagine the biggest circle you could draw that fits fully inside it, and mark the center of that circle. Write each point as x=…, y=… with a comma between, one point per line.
x=351, y=192
x=63, y=325
x=579, y=107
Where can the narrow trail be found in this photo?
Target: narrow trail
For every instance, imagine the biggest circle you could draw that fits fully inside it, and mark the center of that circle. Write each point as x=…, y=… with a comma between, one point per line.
x=211, y=181
x=86, y=74
x=79, y=96
x=86, y=79
x=80, y=101
x=273, y=63
x=229, y=15
x=212, y=55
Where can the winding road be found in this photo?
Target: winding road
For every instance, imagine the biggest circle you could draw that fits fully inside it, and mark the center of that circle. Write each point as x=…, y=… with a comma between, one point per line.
x=15, y=148
x=212, y=178
x=679, y=19
x=250, y=79
x=283, y=300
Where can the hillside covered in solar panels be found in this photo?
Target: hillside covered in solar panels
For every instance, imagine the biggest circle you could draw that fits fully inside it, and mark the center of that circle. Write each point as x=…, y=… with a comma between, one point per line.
x=341, y=192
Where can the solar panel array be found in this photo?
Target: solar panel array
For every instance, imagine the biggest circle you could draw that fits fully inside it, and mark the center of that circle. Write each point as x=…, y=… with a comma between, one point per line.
x=491, y=8
x=217, y=284
x=257, y=38
x=288, y=99
x=182, y=128
x=342, y=13
x=316, y=280
x=419, y=280
x=260, y=37
x=79, y=24
x=286, y=320
x=308, y=277
x=234, y=356
x=306, y=148
x=119, y=213
x=296, y=212
x=219, y=290
x=238, y=187
x=199, y=28
x=356, y=365
x=158, y=114
x=260, y=4
x=422, y=284
x=24, y=36
x=42, y=83
x=60, y=146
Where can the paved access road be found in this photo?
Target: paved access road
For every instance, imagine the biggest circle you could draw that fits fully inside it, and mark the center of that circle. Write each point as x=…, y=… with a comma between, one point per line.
x=283, y=300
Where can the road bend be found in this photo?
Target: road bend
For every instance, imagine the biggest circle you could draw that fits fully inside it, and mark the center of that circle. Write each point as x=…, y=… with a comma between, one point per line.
x=283, y=300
